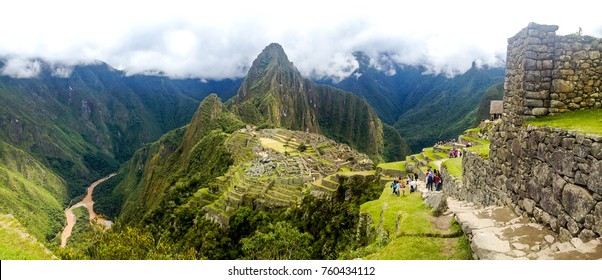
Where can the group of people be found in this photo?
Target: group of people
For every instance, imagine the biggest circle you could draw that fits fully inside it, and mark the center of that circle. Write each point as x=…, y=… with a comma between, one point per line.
x=398, y=185
x=434, y=181
x=445, y=142
x=454, y=153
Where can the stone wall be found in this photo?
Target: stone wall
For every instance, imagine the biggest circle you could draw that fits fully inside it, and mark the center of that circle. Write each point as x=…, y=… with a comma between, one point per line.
x=553, y=176
x=550, y=74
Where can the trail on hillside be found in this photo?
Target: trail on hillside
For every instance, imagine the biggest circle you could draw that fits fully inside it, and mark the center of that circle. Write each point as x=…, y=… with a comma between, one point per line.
x=438, y=163
x=89, y=204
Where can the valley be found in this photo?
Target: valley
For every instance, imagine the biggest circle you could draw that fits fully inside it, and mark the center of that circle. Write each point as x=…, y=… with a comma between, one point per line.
x=278, y=166
x=88, y=203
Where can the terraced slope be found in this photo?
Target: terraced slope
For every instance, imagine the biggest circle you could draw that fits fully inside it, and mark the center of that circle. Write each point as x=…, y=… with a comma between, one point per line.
x=277, y=168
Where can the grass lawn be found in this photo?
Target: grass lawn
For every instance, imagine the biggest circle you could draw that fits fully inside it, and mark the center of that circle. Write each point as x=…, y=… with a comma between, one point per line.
x=424, y=248
x=279, y=146
x=414, y=213
x=397, y=165
x=362, y=173
x=454, y=167
x=481, y=150
x=584, y=121
x=410, y=241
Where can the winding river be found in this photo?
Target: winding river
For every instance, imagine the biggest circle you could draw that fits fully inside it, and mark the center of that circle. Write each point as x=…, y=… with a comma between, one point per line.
x=89, y=204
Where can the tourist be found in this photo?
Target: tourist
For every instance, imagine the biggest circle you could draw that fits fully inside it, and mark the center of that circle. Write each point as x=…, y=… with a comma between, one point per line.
x=429, y=180
x=413, y=186
x=401, y=186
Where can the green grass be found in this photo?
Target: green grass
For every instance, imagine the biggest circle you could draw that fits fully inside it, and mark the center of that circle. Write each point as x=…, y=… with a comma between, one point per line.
x=15, y=244
x=414, y=240
x=474, y=141
x=481, y=150
x=414, y=213
x=584, y=121
x=397, y=165
x=31, y=192
x=454, y=167
x=362, y=173
x=424, y=248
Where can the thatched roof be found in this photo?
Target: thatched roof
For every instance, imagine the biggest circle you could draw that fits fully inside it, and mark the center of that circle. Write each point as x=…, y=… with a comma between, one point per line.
x=496, y=107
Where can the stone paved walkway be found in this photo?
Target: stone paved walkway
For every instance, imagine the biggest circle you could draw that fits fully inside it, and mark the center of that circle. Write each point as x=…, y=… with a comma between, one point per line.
x=496, y=233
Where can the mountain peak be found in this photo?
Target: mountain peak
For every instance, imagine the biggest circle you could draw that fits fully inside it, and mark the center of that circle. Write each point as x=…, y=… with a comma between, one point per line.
x=271, y=58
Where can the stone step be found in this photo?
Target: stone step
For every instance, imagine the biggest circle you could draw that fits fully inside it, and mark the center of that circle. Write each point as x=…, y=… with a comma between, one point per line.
x=317, y=185
x=288, y=188
x=278, y=201
x=327, y=182
x=281, y=195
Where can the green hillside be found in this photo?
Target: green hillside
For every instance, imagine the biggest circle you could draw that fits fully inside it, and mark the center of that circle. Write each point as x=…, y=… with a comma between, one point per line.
x=31, y=192
x=17, y=244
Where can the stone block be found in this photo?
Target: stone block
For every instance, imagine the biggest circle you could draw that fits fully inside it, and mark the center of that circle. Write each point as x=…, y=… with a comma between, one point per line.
x=537, y=94
x=539, y=111
x=562, y=86
x=562, y=161
x=577, y=202
x=557, y=104
x=549, y=203
x=568, y=143
x=586, y=235
x=528, y=205
x=597, y=228
x=533, y=103
x=581, y=151
x=596, y=150
x=594, y=183
x=558, y=184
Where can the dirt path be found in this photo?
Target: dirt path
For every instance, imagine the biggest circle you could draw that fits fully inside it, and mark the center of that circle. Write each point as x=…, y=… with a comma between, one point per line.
x=438, y=163
x=89, y=204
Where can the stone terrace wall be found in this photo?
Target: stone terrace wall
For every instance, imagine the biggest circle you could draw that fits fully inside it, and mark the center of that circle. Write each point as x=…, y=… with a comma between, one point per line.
x=553, y=176
x=550, y=74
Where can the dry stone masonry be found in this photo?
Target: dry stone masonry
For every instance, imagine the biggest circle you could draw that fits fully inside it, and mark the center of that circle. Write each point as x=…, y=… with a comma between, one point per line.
x=552, y=176
x=550, y=74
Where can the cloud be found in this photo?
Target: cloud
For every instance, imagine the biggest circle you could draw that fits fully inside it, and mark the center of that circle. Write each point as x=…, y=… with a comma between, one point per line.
x=21, y=68
x=221, y=39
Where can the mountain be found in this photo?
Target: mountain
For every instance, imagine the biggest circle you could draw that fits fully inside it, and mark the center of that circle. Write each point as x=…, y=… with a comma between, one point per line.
x=424, y=108
x=495, y=92
x=59, y=133
x=274, y=94
x=85, y=125
x=210, y=187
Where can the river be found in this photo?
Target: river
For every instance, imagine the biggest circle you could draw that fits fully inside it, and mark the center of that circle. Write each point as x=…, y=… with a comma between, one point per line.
x=89, y=204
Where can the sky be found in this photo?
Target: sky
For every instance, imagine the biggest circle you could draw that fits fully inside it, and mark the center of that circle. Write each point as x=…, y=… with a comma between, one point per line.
x=220, y=39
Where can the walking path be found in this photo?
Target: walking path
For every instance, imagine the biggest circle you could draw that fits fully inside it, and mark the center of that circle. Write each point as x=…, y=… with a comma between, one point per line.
x=497, y=233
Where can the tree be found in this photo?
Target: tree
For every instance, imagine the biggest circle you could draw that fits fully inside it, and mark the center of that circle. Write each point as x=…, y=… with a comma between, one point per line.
x=281, y=242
